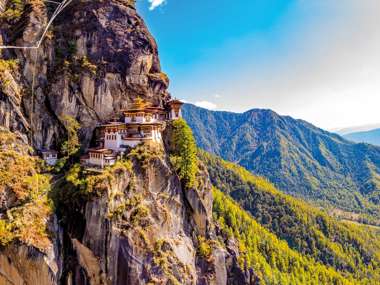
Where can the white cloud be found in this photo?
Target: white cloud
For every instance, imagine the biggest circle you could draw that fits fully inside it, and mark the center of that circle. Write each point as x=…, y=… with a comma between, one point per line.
x=155, y=3
x=217, y=96
x=206, y=105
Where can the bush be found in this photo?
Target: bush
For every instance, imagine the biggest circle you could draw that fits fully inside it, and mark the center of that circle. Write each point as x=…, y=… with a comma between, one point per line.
x=25, y=220
x=145, y=152
x=72, y=145
x=204, y=248
x=87, y=65
x=14, y=10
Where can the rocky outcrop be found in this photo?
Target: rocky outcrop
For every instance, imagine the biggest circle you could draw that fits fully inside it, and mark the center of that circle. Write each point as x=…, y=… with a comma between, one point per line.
x=98, y=56
x=141, y=230
x=141, y=226
x=20, y=264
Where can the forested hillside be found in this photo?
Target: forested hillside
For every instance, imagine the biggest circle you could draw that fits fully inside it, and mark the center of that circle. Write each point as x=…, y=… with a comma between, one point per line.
x=272, y=259
x=347, y=248
x=297, y=157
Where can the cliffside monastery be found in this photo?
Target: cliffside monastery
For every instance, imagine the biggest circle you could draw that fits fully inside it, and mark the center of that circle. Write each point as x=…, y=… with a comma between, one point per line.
x=141, y=122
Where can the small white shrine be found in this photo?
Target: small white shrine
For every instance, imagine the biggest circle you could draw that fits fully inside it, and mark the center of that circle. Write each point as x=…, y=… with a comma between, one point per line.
x=50, y=157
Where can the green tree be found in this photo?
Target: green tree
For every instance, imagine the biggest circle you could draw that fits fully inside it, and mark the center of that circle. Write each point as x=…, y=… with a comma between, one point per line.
x=184, y=152
x=72, y=145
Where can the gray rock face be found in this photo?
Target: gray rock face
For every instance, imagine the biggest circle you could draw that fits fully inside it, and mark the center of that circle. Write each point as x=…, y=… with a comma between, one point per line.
x=26, y=265
x=152, y=239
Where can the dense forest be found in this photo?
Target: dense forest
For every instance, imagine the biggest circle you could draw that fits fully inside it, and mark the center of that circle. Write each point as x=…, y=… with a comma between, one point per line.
x=350, y=249
x=272, y=259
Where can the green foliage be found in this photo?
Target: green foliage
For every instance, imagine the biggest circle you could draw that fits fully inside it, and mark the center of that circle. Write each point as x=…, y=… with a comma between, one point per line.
x=74, y=176
x=166, y=260
x=272, y=259
x=71, y=146
x=204, y=248
x=96, y=183
x=345, y=247
x=78, y=186
x=8, y=64
x=14, y=10
x=87, y=65
x=6, y=234
x=139, y=215
x=184, y=153
x=145, y=152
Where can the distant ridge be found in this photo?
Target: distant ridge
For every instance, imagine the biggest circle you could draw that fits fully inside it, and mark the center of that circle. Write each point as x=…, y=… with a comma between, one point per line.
x=296, y=156
x=371, y=137
x=356, y=129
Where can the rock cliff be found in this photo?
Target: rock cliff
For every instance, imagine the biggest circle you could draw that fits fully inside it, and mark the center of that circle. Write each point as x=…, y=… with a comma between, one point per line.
x=97, y=56
x=136, y=224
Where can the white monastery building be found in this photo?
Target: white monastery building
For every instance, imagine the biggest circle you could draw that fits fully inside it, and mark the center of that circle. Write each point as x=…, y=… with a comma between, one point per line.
x=141, y=122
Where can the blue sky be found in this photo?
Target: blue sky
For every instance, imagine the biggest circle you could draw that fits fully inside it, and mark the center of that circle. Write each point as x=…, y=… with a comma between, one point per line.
x=317, y=59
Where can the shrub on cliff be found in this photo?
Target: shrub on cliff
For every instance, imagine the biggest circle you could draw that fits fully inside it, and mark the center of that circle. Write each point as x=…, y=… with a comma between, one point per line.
x=184, y=152
x=14, y=10
x=25, y=192
x=71, y=146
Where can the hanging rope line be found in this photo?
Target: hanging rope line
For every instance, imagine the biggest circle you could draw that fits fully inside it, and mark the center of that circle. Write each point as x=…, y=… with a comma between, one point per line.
x=61, y=6
x=32, y=99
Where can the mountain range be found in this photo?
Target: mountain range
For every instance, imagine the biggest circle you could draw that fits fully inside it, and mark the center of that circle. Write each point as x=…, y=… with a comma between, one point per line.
x=355, y=129
x=296, y=156
x=371, y=137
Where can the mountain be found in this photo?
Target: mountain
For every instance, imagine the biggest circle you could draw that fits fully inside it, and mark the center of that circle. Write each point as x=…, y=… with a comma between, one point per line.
x=296, y=156
x=371, y=137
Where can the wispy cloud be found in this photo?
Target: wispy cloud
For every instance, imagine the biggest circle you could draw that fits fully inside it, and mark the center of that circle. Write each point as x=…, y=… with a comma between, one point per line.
x=206, y=105
x=217, y=96
x=155, y=3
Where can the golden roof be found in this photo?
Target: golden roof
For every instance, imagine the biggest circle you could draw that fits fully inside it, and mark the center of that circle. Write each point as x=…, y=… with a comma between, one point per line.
x=138, y=104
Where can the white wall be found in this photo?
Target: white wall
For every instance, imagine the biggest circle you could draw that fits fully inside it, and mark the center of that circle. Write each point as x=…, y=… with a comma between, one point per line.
x=113, y=144
x=96, y=161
